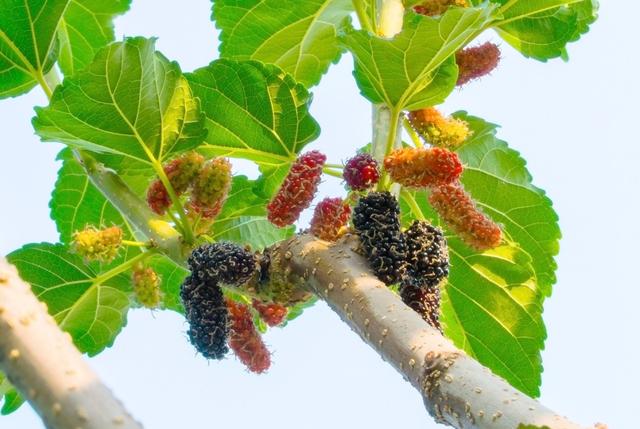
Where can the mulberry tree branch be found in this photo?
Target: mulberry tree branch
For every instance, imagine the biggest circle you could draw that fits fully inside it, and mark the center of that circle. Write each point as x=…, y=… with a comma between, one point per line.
x=43, y=364
x=456, y=389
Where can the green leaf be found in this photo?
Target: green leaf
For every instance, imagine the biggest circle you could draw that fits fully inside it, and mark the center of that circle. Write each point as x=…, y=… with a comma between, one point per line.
x=130, y=101
x=76, y=202
x=243, y=218
x=12, y=401
x=256, y=112
x=541, y=29
x=27, y=42
x=91, y=310
x=416, y=68
x=300, y=37
x=86, y=28
x=492, y=302
x=498, y=179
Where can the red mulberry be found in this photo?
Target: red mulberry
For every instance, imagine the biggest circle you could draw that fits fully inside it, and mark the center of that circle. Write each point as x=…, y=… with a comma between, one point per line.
x=211, y=188
x=438, y=7
x=273, y=314
x=438, y=130
x=245, y=340
x=423, y=300
x=427, y=254
x=459, y=212
x=376, y=220
x=180, y=172
x=423, y=166
x=329, y=217
x=297, y=190
x=146, y=286
x=361, y=172
x=477, y=61
x=206, y=312
x=97, y=244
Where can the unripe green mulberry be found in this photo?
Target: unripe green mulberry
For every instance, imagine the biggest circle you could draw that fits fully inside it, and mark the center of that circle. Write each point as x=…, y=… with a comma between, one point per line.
x=211, y=188
x=146, y=286
x=180, y=171
x=97, y=244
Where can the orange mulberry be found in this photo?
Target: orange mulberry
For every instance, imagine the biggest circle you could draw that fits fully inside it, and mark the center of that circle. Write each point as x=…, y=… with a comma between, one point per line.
x=329, y=217
x=273, y=314
x=297, y=190
x=420, y=167
x=439, y=130
x=459, y=212
x=245, y=341
x=477, y=61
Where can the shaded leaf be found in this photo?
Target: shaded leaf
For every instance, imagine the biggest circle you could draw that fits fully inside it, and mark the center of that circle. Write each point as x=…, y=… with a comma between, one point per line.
x=256, y=112
x=86, y=27
x=300, y=37
x=130, y=101
x=416, y=68
x=92, y=311
x=27, y=42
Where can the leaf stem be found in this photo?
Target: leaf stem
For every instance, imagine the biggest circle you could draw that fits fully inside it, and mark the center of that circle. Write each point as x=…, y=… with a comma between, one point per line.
x=361, y=12
x=187, y=229
x=413, y=204
x=330, y=172
x=338, y=166
x=39, y=77
x=415, y=138
x=123, y=267
x=132, y=243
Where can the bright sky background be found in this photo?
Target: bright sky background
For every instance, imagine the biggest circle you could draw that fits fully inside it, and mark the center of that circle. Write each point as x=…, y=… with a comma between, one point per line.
x=577, y=125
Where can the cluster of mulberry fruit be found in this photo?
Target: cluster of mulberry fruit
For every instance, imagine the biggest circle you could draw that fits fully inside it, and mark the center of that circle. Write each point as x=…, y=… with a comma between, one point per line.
x=439, y=130
x=202, y=297
x=477, y=61
x=422, y=167
x=376, y=219
x=459, y=212
x=209, y=183
x=329, y=218
x=438, y=7
x=361, y=172
x=297, y=190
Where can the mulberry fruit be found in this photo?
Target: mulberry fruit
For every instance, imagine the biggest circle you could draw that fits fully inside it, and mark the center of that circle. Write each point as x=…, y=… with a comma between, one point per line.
x=146, y=286
x=376, y=220
x=329, y=217
x=97, y=244
x=297, y=190
x=273, y=314
x=361, y=172
x=439, y=131
x=424, y=301
x=222, y=262
x=427, y=254
x=457, y=209
x=477, y=61
x=438, y=7
x=211, y=188
x=180, y=172
x=245, y=340
x=423, y=166
x=207, y=315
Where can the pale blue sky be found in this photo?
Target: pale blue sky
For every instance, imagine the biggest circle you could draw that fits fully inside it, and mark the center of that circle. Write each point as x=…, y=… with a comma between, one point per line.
x=576, y=123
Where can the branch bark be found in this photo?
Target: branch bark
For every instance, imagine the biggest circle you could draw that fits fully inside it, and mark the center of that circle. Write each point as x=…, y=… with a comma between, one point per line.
x=456, y=389
x=42, y=363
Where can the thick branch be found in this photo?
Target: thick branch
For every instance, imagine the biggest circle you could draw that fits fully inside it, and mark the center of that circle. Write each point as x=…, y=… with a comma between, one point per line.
x=42, y=363
x=456, y=389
